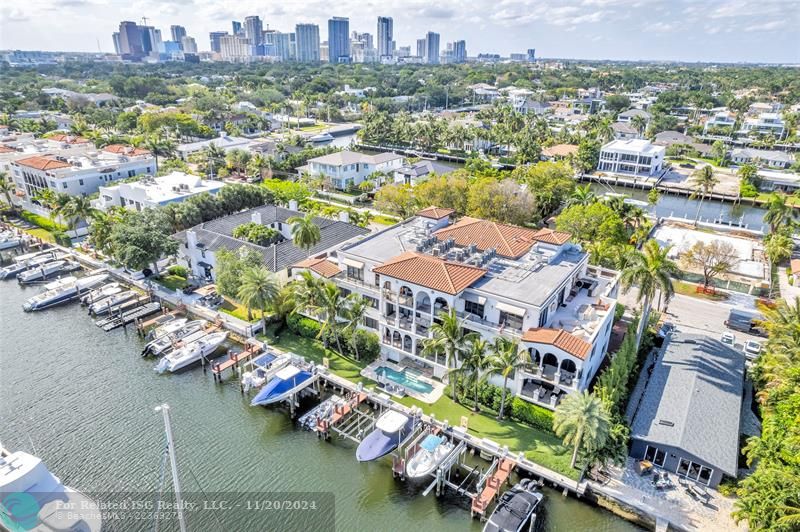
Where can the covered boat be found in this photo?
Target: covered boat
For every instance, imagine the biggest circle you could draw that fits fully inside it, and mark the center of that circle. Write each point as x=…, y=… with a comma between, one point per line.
x=286, y=381
x=516, y=509
x=430, y=454
x=191, y=353
x=390, y=430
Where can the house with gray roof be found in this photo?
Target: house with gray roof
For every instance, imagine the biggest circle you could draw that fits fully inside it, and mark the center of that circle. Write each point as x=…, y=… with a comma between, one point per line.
x=200, y=243
x=768, y=158
x=624, y=130
x=687, y=421
x=626, y=116
x=346, y=169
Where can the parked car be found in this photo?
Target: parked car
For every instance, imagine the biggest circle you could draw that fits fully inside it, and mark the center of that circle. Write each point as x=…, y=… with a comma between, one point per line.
x=191, y=286
x=752, y=349
x=728, y=339
x=746, y=321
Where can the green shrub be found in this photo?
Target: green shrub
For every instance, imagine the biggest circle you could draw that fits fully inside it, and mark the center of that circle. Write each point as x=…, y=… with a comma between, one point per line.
x=747, y=190
x=531, y=414
x=369, y=347
x=178, y=271
x=619, y=310
x=43, y=222
x=62, y=239
x=302, y=326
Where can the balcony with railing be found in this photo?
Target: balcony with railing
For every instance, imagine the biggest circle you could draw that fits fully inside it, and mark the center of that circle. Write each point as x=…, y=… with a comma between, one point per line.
x=406, y=301
x=388, y=295
x=357, y=283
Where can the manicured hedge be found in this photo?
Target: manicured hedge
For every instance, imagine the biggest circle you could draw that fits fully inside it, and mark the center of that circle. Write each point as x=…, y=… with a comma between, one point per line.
x=41, y=221
x=490, y=396
x=179, y=271
x=368, y=344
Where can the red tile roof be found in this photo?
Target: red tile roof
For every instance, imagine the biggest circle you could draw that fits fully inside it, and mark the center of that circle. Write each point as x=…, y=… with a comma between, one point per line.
x=508, y=240
x=125, y=150
x=431, y=272
x=559, y=338
x=42, y=163
x=322, y=267
x=560, y=150
x=548, y=236
x=6, y=149
x=795, y=265
x=435, y=213
x=69, y=139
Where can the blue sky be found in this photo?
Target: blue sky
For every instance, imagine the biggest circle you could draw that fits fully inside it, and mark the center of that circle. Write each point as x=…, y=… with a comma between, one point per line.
x=688, y=30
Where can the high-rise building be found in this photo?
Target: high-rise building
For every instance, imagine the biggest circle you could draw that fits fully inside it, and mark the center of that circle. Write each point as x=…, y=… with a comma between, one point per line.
x=189, y=45
x=324, y=54
x=460, y=51
x=385, y=36
x=236, y=48
x=214, y=38
x=307, y=42
x=115, y=37
x=403, y=51
x=253, y=29
x=339, y=40
x=236, y=26
x=283, y=46
x=148, y=39
x=431, y=48
x=531, y=54
x=177, y=32
x=130, y=39
x=421, y=49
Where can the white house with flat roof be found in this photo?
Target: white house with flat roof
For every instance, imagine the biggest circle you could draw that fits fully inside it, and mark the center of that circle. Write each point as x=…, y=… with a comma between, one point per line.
x=151, y=191
x=223, y=141
x=81, y=174
x=637, y=157
x=346, y=168
x=720, y=120
x=765, y=124
x=534, y=286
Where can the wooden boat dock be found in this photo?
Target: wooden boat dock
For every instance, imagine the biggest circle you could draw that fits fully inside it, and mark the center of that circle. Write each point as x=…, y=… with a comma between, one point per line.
x=252, y=347
x=129, y=316
x=495, y=477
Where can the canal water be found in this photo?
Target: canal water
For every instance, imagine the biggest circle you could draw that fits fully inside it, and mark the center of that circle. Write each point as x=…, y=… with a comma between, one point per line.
x=83, y=401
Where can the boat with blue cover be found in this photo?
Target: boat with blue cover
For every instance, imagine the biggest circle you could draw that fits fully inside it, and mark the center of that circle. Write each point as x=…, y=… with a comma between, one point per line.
x=390, y=430
x=263, y=368
x=432, y=450
x=287, y=381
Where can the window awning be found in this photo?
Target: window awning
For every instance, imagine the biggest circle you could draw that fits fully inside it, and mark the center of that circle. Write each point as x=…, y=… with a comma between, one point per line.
x=474, y=298
x=511, y=309
x=353, y=263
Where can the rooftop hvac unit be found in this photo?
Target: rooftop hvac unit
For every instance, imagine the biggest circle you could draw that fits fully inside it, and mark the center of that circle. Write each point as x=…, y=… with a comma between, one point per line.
x=460, y=256
x=473, y=248
x=435, y=252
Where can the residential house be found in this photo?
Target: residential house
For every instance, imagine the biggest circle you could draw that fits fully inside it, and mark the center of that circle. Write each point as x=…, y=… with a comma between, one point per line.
x=411, y=174
x=627, y=116
x=81, y=174
x=559, y=152
x=770, y=158
x=534, y=286
x=150, y=191
x=636, y=157
x=624, y=130
x=721, y=120
x=773, y=180
x=687, y=421
x=764, y=124
x=223, y=141
x=346, y=169
x=200, y=243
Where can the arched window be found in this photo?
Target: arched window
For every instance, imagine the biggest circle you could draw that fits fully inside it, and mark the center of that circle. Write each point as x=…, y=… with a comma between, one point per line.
x=536, y=357
x=406, y=296
x=396, y=339
x=407, y=344
x=423, y=302
x=440, y=305
x=568, y=366
x=550, y=360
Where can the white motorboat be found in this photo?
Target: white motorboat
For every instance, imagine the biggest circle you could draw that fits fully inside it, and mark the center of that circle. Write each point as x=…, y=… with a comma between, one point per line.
x=264, y=367
x=46, y=270
x=19, y=266
x=9, y=240
x=107, y=304
x=191, y=353
x=100, y=292
x=432, y=450
x=63, y=291
x=29, y=256
x=186, y=334
x=286, y=381
x=174, y=325
x=35, y=499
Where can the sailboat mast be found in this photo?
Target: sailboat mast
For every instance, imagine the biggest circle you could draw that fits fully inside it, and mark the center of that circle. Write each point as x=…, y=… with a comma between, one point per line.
x=164, y=409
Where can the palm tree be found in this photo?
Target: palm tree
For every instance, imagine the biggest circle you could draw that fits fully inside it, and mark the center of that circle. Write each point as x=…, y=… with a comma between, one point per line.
x=649, y=269
x=78, y=208
x=100, y=229
x=7, y=187
x=214, y=156
x=582, y=195
x=583, y=421
x=282, y=305
x=330, y=303
x=779, y=212
x=475, y=366
x=703, y=181
x=159, y=146
x=305, y=233
x=604, y=131
x=448, y=338
x=506, y=360
x=307, y=291
x=639, y=124
x=353, y=314
x=259, y=289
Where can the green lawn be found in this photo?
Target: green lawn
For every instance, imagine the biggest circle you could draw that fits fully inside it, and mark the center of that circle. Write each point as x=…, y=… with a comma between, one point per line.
x=239, y=311
x=171, y=282
x=689, y=289
x=40, y=233
x=384, y=220
x=541, y=447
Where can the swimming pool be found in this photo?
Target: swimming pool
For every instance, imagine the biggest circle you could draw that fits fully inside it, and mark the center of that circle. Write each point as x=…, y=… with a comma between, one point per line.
x=400, y=377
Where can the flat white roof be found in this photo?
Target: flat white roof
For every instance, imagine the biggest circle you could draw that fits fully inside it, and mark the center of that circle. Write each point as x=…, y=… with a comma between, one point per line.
x=634, y=146
x=353, y=157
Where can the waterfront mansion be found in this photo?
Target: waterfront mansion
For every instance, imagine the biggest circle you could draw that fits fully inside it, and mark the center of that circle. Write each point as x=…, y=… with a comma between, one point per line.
x=531, y=285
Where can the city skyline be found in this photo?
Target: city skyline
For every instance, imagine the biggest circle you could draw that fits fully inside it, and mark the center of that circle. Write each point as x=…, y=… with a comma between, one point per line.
x=685, y=30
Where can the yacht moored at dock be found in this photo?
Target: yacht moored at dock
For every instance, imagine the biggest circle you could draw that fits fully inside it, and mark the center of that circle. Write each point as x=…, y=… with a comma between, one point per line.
x=63, y=291
x=191, y=353
x=287, y=380
x=26, y=484
x=32, y=261
x=185, y=334
x=430, y=454
x=47, y=270
x=100, y=292
x=516, y=508
x=390, y=430
x=263, y=368
x=110, y=303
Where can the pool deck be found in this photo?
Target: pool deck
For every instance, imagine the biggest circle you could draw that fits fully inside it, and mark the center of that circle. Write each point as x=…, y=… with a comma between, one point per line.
x=431, y=397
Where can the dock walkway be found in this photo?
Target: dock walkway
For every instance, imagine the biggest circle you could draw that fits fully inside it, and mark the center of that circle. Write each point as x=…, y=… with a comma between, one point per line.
x=493, y=485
